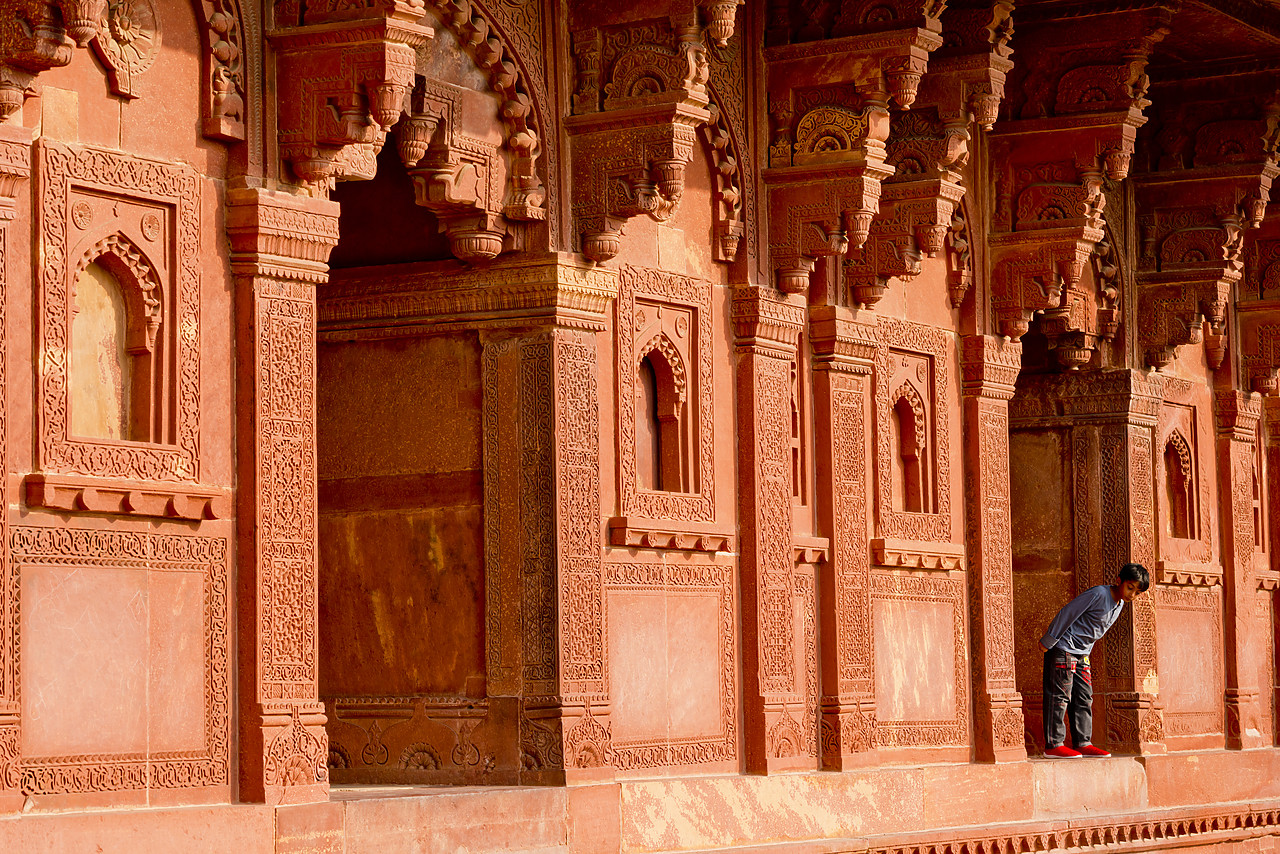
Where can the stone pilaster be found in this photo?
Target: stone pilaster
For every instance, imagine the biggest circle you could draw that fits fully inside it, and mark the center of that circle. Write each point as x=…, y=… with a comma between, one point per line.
x=15, y=169
x=844, y=349
x=767, y=327
x=1238, y=415
x=546, y=644
x=280, y=245
x=991, y=367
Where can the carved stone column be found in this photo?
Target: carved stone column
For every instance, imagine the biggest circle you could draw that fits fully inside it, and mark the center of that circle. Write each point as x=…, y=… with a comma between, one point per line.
x=991, y=367
x=844, y=351
x=1238, y=415
x=1271, y=496
x=15, y=168
x=280, y=245
x=767, y=328
x=546, y=646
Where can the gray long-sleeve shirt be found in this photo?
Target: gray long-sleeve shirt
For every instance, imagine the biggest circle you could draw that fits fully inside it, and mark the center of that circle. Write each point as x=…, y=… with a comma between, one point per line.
x=1083, y=620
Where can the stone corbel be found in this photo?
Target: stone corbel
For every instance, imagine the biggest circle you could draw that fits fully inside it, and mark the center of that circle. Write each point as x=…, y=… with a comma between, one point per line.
x=726, y=177
x=641, y=98
x=1030, y=273
x=452, y=178
x=967, y=75
x=1191, y=255
x=343, y=81
x=718, y=18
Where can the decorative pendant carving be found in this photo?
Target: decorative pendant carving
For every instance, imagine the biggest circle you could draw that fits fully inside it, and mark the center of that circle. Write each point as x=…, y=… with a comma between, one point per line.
x=127, y=42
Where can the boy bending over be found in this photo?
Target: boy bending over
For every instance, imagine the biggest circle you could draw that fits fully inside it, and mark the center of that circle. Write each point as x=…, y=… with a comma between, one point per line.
x=1068, y=683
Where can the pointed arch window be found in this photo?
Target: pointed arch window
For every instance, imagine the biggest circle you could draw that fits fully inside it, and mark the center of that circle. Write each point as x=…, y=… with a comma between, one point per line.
x=117, y=360
x=1179, y=481
x=662, y=452
x=911, y=475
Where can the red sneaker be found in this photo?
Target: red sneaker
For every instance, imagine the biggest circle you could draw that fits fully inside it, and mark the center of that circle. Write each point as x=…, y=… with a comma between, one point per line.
x=1063, y=752
x=1090, y=750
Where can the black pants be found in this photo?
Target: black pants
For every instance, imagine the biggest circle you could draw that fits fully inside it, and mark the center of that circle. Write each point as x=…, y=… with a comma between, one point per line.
x=1068, y=696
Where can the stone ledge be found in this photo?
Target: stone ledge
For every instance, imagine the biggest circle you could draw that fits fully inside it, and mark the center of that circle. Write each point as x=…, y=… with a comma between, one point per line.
x=632, y=532
x=78, y=494
x=910, y=554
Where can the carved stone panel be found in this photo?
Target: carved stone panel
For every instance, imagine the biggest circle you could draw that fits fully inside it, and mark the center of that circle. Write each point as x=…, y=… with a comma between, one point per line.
x=673, y=663
x=165, y=722
x=672, y=314
x=144, y=217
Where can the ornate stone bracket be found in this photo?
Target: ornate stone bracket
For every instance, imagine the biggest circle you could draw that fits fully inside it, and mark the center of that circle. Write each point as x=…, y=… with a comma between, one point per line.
x=828, y=155
x=726, y=177
x=1078, y=101
x=342, y=82
x=1192, y=218
x=641, y=97
x=1261, y=356
x=223, y=92
x=1031, y=271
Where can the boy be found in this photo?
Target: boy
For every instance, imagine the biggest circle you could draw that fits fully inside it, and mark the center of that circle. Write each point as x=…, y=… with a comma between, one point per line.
x=1068, y=684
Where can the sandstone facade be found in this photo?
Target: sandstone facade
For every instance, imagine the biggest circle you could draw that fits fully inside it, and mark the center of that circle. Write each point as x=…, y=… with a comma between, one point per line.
x=558, y=425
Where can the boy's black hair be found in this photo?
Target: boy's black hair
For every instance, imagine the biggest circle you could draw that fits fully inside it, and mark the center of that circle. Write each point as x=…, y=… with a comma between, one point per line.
x=1135, y=572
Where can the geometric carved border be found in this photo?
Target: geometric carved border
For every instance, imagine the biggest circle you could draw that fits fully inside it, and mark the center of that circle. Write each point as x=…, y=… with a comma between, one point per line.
x=655, y=753
x=935, y=344
x=156, y=552
x=934, y=588
x=63, y=171
x=1205, y=601
x=695, y=294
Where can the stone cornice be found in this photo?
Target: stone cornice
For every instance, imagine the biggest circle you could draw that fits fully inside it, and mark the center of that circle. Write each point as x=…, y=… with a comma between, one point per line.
x=767, y=322
x=989, y=366
x=552, y=290
x=281, y=235
x=1238, y=414
x=1127, y=396
x=842, y=339
x=15, y=167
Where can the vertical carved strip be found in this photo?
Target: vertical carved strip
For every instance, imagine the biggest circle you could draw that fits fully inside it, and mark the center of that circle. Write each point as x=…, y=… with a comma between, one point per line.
x=767, y=327
x=578, y=507
x=844, y=352
x=990, y=370
x=15, y=168
x=501, y=490
x=279, y=247
x=537, y=575
x=1238, y=418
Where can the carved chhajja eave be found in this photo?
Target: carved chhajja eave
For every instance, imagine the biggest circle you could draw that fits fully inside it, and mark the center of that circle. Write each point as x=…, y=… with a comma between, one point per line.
x=640, y=99
x=1076, y=100
x=36, y=35
x=829, y=97
x=1210, y=160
